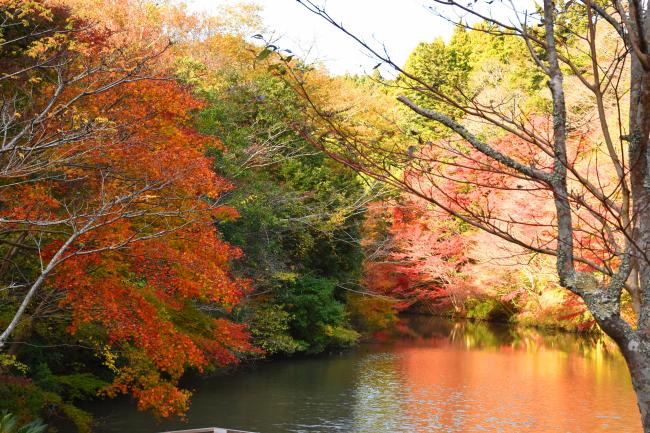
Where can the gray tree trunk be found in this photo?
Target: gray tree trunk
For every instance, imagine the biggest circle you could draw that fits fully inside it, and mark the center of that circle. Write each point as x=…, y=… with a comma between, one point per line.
x=636, y=349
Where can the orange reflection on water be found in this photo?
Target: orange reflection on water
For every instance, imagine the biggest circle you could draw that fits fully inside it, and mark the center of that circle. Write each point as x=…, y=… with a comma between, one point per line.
x=460, y=385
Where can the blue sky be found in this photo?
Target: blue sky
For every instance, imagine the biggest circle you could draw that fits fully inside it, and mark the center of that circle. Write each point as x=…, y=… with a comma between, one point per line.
x=400, y=24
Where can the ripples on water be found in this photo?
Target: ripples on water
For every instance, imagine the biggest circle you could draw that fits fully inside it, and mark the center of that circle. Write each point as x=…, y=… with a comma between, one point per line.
x=438, y=377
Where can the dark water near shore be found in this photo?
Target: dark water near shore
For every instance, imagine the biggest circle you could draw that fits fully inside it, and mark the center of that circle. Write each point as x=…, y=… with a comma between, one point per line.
x=439, y=376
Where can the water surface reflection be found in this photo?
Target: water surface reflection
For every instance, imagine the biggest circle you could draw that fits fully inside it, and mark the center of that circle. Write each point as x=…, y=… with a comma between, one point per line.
x=437, y=377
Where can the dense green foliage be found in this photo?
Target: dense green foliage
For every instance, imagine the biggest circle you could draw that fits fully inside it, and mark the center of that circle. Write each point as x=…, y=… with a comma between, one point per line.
x=300, y=214
x=318, y=319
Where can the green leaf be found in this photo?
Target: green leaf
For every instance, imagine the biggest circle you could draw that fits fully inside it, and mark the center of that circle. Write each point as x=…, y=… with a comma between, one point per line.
x=263, y=54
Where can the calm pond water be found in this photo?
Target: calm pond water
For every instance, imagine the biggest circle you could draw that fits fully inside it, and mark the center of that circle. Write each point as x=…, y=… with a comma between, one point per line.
x=438, y=376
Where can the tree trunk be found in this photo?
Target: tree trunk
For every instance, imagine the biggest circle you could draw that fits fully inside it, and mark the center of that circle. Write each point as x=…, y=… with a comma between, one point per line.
x=637, y=356
x=640, y=182
x=640, y=371
x=634, y=289
x=634, y=345
x=636, y=349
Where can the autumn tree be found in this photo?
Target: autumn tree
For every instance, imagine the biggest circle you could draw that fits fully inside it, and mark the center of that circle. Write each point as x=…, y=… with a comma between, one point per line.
x=109, y=200
x=415, y=255
x=580, y=151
